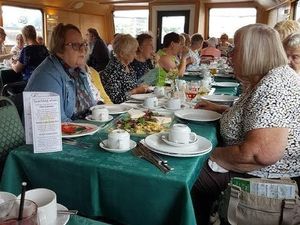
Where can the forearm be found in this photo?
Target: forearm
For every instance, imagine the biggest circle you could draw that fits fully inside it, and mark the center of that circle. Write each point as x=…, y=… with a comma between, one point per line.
x=182, y=66
x=236, y=158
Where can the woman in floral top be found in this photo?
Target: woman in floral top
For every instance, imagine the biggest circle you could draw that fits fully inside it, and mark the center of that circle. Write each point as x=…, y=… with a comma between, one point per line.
x=261, y=132
x=118, y=78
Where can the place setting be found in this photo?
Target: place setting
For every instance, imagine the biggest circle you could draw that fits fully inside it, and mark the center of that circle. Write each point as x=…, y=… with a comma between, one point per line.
x=225, y=84
x=99, y=114
x=220, y=99
x=198, y=115
x=118, y=141
x=178, y=142
x=35, y=206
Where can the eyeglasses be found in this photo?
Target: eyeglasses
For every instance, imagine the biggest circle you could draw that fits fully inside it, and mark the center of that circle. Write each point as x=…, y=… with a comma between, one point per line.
x=78, y=46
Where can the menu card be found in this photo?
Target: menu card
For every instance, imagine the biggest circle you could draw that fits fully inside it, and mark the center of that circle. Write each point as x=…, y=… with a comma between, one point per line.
x=42, y=121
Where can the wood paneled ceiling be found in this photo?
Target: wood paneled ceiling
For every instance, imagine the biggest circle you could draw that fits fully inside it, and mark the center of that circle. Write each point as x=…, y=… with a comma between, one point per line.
x=81, y=5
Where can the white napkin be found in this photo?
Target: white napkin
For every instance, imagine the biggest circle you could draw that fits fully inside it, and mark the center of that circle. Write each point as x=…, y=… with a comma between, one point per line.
x=216, y=168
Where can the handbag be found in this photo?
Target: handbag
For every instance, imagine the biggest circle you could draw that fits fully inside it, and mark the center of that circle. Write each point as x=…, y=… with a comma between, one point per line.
x=11, y=129
x=246, y=208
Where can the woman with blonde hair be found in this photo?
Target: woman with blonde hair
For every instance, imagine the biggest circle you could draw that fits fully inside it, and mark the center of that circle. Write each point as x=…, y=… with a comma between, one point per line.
x=260, y=132
x=287, y=27
x=291, y=46
x=118, y=78
x=32, y=55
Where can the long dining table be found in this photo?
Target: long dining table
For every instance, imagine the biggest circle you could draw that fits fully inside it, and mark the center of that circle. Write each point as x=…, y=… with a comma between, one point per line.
x=121, y=187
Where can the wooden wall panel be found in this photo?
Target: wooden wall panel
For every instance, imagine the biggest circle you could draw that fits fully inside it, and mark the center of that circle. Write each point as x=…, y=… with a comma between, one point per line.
x=97, y=22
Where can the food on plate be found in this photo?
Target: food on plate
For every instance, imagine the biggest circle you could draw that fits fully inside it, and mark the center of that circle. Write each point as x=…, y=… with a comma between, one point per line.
x=70, y=128
x=147, y=123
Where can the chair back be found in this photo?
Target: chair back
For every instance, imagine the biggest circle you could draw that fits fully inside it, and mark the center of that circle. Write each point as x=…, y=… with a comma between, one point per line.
x=11, y=129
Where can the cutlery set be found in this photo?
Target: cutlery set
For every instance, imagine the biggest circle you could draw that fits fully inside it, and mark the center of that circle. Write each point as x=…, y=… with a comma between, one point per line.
x=143, y=152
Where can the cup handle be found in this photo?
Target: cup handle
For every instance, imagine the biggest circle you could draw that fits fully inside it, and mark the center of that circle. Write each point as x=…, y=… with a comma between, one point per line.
x=193, y=136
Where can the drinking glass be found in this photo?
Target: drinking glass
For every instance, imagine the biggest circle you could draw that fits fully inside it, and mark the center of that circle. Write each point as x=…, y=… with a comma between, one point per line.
x=191, y=90
x=9, y=212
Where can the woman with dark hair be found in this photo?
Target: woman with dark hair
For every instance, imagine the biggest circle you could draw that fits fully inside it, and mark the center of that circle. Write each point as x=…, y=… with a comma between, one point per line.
x=61, y=73
x=167, y=62
x=142, y=62
x=32, y=55
x=99, y=55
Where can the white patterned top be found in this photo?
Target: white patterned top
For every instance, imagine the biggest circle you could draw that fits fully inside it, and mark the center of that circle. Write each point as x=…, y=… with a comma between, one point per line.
x=274, y=102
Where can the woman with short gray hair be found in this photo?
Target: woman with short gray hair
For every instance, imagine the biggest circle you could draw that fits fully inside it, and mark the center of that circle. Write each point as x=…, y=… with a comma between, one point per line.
x=292, y=48
x=118, y=78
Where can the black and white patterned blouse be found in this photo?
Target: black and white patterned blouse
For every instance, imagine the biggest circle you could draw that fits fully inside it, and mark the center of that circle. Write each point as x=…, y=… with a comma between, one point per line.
x=117, y=82
x=274, y=102
x=141, y=68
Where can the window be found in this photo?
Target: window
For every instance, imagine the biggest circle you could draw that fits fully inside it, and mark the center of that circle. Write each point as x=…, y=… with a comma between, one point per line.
x=228, y=20
x=15, y=18
x=131, y=21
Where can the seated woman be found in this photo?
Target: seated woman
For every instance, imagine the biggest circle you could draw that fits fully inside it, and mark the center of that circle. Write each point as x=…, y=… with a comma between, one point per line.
x=211, y=49
x=261, y=130
x=60, y=73
x=287, y=27
x=224, y=46
x=292, y=48
x=167, y=61
x=118, y=78
x=32, y=55
x=196, y=45
x=16, y=50
x=142, y=62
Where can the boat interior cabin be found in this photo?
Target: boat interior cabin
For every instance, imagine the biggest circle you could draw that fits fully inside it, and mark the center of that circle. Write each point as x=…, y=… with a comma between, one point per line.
x=133, y=16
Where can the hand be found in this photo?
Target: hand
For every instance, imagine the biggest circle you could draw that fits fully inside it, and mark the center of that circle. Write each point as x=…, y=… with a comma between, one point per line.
x=203, y=104
x=143, y=88
x=185, y=51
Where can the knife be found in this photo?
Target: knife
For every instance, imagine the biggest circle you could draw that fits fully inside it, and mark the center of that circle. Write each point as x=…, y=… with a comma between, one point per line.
x=137, y=152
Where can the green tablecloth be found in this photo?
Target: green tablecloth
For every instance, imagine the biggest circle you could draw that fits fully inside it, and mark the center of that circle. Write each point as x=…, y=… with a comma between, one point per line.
x=121, y=187
x=78, y=220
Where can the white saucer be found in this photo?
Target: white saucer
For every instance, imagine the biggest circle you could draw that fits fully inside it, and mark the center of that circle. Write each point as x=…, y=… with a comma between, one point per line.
x=132, y=145
x=181, y=107
x=89, y=118
x=145, y=107
x=61, y=219
x=164, y=137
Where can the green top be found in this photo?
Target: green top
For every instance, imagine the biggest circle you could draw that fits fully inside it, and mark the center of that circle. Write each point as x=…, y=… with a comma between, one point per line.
x=162, y=74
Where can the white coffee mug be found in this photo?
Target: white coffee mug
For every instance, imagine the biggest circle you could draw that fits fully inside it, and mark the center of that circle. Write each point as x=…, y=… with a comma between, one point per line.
x=99, y=112
x=118, y=139
x=46, y=202
x=174, y=103
x=159, y=91
x=181, y=133
x=151, y=102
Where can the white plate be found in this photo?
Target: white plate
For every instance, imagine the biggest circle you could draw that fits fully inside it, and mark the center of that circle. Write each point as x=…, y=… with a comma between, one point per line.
x=220, y=98
x=90, y=118
x=155, y=142
x=164, y=137
x=198, y=115
x=141, y=97
x=61, y=219
x=91, y=129
x=115, y=109
x=225, y=84
x=132, y=145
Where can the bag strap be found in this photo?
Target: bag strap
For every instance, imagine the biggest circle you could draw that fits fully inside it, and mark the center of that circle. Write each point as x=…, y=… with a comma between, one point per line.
x=288, y=206
x=235, y=193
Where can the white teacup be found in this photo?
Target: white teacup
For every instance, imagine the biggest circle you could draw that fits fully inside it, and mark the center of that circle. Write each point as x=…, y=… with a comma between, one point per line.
x=46, y=202
x=100, y=112
x=159, y=91
x=118, y=139
x=151, y=102
x=174, y=103
x=181, y=134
